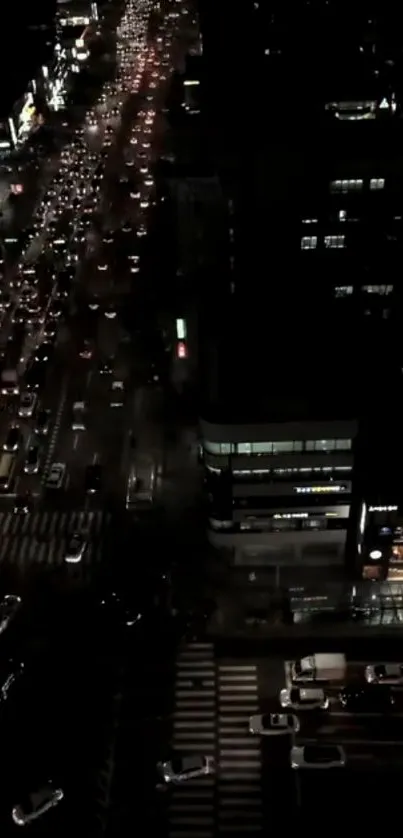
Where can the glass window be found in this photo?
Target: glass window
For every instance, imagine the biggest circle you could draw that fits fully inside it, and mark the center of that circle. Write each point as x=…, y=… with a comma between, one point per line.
x=343, y=290
x=225, y=448
x=378, y=289
x=377, y=183
x=325, y=445
x=212, y=447
x=347, y=185
x=310, y=445
x=343, y=444
x=262, y=447
x=309, y=242
x=283, y=447
x=244, y=448
x=335, y=242
x=298, y=445
x=217, y=447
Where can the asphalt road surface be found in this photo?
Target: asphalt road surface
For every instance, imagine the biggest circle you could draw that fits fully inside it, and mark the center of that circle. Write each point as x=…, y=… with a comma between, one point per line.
x=70, y=715
x=254, y=788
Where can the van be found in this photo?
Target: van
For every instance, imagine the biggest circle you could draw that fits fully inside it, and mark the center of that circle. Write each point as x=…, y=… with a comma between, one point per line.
x=320, y=667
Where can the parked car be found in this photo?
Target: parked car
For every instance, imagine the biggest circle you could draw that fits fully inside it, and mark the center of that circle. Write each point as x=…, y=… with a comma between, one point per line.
x=299, y=698
x=35, y=804
x=180, y=769
x=384, y=673
x=274, y=724
x=317, y=756
x=367, y=698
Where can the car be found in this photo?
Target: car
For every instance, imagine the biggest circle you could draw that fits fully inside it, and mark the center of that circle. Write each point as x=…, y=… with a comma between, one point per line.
x=317, y=756
x=42, y=423
x=384, y=673
x=35, y=376
x=78, y=421
x=105, y=368
x=56, y=476
x=22, y=504
x=43, y=352
x=31, y=465
x=179, y=769
x=12, y=440
x=274, y=724
x=117, y=394
x=93, y=478
x=75, y=548
x=9, y=608
x=36, y=804
x=299, y=698
x=27, y=404
x=86, y=350
x=367, y=698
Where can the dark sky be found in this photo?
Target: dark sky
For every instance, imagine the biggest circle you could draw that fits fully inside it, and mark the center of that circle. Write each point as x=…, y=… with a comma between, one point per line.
x=20, y=49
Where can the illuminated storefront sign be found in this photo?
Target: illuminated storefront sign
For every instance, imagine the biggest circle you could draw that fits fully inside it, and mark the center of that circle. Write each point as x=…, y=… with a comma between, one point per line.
x=319, y=490
x=28, y=118
x=74, y=21
x=383, y=509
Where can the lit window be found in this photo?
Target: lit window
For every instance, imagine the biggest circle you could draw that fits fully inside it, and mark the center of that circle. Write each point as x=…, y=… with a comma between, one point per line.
x=309, y=242
x=377, y=183
x=335, y=242
x=350, y=185
x=283, y=447
x=378, y=289
x=328, y=444
x=217, y=447
x=244, y=448
x=343, y=290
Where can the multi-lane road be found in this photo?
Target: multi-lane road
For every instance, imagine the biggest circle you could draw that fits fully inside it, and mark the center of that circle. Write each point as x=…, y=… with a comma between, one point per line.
x=96, y=361
x=254, y=788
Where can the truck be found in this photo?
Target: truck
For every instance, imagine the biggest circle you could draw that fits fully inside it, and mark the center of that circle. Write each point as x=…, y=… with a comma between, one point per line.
x=319, y=668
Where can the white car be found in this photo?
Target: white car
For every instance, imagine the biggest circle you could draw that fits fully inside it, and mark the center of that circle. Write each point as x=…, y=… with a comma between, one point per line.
x=56, y=476
x=117, y=394
x=78, y=423
x=27, y=404
x=274, y=724
x=180, y=769
x=318, y=756
x=75, y=548
x=384, y=673
x=300, y=698
x=9, y=606
x=36, y=804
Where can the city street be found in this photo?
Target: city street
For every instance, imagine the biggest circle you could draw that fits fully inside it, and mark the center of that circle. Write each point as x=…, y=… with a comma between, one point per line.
x=215, y=697
x=91, y=691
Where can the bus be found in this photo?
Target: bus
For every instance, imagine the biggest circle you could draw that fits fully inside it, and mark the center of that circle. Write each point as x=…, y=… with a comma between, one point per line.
x=7, y=466
x=141, y=485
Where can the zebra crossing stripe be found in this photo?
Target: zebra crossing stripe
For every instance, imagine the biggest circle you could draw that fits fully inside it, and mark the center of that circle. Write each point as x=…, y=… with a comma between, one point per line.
x=23, y=543
x=192, y=808
x=240, y=759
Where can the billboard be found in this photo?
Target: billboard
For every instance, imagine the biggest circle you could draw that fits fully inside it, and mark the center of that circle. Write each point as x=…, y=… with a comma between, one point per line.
x=27, y=118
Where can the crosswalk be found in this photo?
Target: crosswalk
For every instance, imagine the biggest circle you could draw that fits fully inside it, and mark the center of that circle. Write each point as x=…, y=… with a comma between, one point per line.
x=191, y=809
x=41, y=537
x=239, y=803
x=213, y=703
